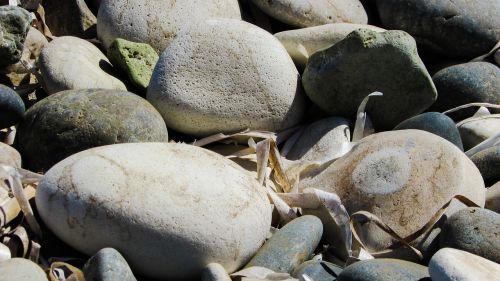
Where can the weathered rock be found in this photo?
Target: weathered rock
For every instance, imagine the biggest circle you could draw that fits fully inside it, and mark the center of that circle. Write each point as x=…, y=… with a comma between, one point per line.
x=475, y=130
x=339, y=78
x=71, y=121
x=474, y=230
x=21, y=270
x=10, y=156
x=454, y=265
x=488, y=163
x=459, y=28
x=316, y=271
x=436, y=123
x=302, y=43
x=290, y=246
x=170, y=209
x=466, y=83
x=157, y=22
x=306, y=13
x=493, y=198
x=225, y=75
x=70, y=18
x=14, y=26
x=107, y=265
x=384, y=270
x=214, y=272
x=11, y=107
x=70, y=63
x=404, y=178
x=136, y=59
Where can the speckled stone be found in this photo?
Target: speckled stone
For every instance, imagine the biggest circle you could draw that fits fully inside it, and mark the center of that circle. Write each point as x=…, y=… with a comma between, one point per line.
x=488, y=163
x=290, y=246
x=11, y=107
x=21, y=270
x=474, y=230
x=384, y=270
x=316, y=271
x=14, y=27
x=108, y=265
x=72, y=121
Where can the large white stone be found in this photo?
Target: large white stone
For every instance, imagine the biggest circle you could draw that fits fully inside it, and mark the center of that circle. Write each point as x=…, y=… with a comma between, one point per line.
x=226, y=75
x=170, y=209
x=156, y=22
x=21, y=270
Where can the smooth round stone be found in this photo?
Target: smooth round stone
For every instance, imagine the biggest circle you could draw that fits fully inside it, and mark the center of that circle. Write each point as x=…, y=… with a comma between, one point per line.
x=170, y=209
x=302, y=43
x=14, y=26
x=293, y=244
x=214, y=272
x=11, y=107
x=158, y=22
x=10, y=156
x=474, y=230
x=392, y=175
x=454, y=265
x=436, y=123
x=466, y=83
x=459, y=28
x=71, y=121
x=70, y=63
x=316, y=271
x=475, y=130
x=226, y=75
x=307, y=13
x=339, y=78
x=493, y=198
x=108, y=265
x=384, y=270
x=488, y=163
x=21, y=270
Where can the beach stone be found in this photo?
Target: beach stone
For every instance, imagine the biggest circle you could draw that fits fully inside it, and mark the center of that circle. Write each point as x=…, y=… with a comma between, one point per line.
x=302, y=43
x=466, y=83
x=488, y=163
x=293, y=244
x=170, y=209
x=339, y=78
x=11, y=107
x=70, y=18
x=107, y=265
x=243, y=79
x=21, y=270
x=315, y=270
x=436, y=123
x=214, y=272
x=392, y=175
x=474, y=230
x=137, y=60
x=10, y=156
x=493, y=198
x=454, y=265
x=384, y=270
x=307, y=13
x=459, y=28
x=70, y=63
x=157, y=23
x=71, y=121
x=475, y=130
x=14, y=26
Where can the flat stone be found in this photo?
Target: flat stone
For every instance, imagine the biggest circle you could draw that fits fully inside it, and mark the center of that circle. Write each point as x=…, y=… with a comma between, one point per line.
x=488, y=163
x=436, y=123
x=293, y=244
x=14, y=26
x=214, y=272
x=316, y=271
x=223, y=76
x=21, y=270
x=70, y=63
x=474, y=230
x=108, y=265
x=70, y=18
x=71, y=121
x=339, y=78
x=454, y=265
x=307, y=13
x=11, y=107
x=170, y=209
x=493, y=198
x=458, y=28
x=137, y=60
x=158, y=22
x=384, y=270
x=475, y=130
x=10, y=156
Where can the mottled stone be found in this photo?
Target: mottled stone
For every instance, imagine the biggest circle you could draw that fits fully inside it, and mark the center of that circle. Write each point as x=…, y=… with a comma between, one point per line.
x=11, y=107
x=214, y=272
x=21, y=270
x=293, y=244
x=384, y=270
x=70, y=18
x=316, y=270
x=14, y=26
x=493, y=198
x=488, y=163
x=339, y=78
x=107, y=265
x=475, y=130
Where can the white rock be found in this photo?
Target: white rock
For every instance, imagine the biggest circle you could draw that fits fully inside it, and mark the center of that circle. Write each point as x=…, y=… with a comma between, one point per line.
x=170, y=209
x=156, y=22
x=306, y=13
x=455, y=265
x=493, y=198
x=226, y=75
x=302, y=43
x=21, y=270
x=70, y=63
x=475, y=130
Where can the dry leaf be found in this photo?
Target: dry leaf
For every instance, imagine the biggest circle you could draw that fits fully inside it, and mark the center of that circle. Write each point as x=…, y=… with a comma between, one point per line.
x=257, y=273
x=245, y=134
x=61, y=271
x=361, y=116
x=482, y=104
x=490, y=142
x=10, y=209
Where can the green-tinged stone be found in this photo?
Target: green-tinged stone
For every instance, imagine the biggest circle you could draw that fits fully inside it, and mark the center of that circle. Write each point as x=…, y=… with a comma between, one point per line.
x=14, y=27
x=317, y=271
x=137, y=60
x=384, y=270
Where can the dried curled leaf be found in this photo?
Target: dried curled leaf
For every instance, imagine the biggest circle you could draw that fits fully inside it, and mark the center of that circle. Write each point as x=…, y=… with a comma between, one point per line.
x=245, y=134
x=257, y=273
x=361, y=116
x=480, y=104
x=61, y=271
x=10, y=209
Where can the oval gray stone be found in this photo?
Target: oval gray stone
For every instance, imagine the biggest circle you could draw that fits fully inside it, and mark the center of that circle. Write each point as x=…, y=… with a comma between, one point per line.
x=317, y=271
x=384, y=270
x=488, y=163
x=21, y=270
x=11, y=107
x=107, y=265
